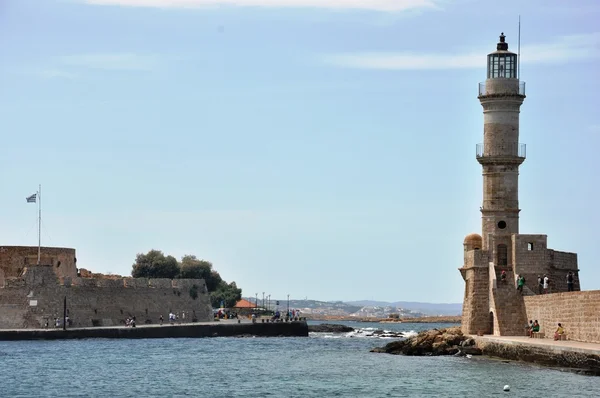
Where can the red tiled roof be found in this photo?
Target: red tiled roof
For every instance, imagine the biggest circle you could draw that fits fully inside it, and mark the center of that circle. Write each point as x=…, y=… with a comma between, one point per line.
x=244, y=304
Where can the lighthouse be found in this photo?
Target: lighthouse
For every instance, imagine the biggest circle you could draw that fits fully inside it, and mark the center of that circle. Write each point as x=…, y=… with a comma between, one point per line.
x=501, y=154
x=493, y=259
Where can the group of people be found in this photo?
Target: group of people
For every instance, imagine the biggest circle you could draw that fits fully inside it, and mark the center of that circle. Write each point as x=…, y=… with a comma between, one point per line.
x=225, y=314
x=534, y=327
x=57, y=322
x=173, y=318
x=291, y=314
x=543, y=282
x=520, y=280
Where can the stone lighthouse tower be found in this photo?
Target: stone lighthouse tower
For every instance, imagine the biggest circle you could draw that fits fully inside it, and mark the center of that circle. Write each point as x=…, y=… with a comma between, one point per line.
x=500, y=155
x=493, y=304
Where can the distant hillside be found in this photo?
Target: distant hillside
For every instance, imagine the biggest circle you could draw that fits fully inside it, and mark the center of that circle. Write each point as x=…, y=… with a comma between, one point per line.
x=364, y=308
x=339, y=306
x=425, y=308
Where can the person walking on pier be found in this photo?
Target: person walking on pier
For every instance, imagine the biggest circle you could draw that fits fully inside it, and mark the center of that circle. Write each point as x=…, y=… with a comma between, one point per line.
x=546, y=284
x=540, y=285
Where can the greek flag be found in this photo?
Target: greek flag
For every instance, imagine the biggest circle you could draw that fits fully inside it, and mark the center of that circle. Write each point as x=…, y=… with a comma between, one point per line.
x=32, y=198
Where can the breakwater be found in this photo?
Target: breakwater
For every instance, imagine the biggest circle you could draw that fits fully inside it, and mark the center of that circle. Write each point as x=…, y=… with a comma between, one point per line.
x=575, y=356
x=570, y=355
x=194, y=330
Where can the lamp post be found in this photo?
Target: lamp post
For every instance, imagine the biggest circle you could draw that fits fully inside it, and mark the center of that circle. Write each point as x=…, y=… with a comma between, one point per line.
x=256, y=300
x=263, y=304
x=288, y=306
x=269, y=302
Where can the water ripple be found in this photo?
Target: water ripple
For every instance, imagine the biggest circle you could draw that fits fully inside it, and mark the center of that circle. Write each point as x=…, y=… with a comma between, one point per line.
x=264, y=367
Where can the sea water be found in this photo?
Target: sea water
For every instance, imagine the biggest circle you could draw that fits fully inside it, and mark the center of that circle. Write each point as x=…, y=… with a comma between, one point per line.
x=322, y=365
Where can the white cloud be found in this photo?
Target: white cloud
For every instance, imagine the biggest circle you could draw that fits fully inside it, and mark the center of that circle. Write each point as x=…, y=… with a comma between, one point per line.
x=565, y=48
x=116, y=61
x=376, y=5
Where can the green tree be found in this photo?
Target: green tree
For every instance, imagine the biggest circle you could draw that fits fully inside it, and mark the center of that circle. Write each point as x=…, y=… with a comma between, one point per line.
x=229, y=294
x=155, y=264
x=193, y=268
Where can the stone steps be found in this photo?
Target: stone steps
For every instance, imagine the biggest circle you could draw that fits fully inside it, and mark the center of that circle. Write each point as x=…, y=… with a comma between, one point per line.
x=509, y=306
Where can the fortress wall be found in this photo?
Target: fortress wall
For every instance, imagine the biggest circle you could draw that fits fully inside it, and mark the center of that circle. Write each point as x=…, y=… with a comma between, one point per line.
x=476, y=304
x=160, y=283
x=27, y=302
x=577, y=311
x=561, y=263
x=476, y=258
x=530, y=263
x=539, y=260
x=13, y=259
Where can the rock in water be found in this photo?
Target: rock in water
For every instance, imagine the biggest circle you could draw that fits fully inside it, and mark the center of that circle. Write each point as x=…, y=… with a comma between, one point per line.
x=431, y=342
x=329, y=328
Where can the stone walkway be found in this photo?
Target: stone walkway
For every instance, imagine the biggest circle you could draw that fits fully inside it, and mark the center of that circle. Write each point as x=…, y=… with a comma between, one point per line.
x=557, y=346
x=156, y=325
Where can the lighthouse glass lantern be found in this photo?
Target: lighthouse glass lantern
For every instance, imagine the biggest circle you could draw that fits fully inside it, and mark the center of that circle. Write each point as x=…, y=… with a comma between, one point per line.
x=502, y=63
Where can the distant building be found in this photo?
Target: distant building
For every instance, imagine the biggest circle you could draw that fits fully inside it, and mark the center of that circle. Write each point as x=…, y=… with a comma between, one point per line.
x=491, y=305
x=32, y=295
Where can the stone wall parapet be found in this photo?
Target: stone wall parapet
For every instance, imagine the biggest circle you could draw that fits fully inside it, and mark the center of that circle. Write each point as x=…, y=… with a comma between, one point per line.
x=13, y=259
x=576, y=311
x=476, y=258
x=37, y=296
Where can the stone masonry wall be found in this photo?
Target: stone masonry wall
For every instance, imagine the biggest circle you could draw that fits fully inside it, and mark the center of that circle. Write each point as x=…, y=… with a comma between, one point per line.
x=560, y=264
x=28, y=301
x=576, y=311
x=476, y=305
x=13, y=259
x=530, y=263
x=532, y=258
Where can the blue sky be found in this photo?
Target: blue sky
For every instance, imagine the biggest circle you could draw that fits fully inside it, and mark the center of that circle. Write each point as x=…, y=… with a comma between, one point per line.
x=317, y=148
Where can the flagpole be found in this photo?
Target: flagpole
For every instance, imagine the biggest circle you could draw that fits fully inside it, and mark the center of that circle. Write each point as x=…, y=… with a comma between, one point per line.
x=40, y=225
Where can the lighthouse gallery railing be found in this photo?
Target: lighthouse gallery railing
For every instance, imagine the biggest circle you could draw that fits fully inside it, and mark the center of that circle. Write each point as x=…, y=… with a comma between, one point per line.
x=510, y=149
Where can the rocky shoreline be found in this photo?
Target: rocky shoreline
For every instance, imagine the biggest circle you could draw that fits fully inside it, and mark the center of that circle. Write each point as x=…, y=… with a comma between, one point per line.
x=335, y=328
x=451, y=341
x=435, y=342
x=329, y=328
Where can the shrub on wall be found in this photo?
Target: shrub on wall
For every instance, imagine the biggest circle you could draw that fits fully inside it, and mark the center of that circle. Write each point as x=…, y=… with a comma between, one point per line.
x=226, y=295
x=155, y=264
